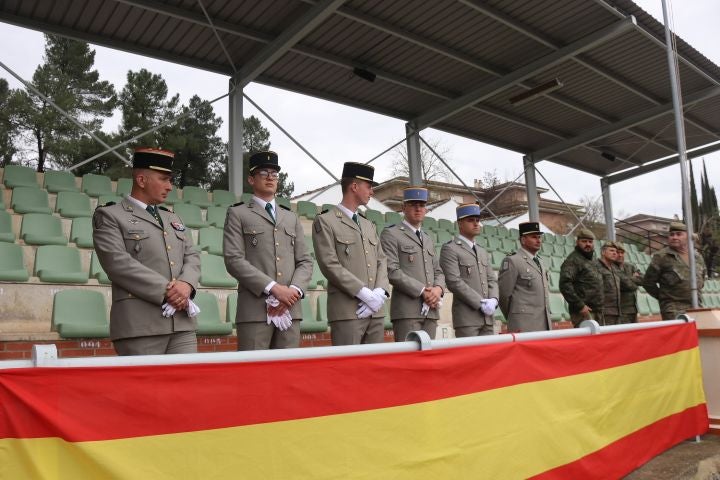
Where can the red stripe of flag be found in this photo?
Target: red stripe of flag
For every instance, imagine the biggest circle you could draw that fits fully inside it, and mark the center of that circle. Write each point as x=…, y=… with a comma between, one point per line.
x=82, y=404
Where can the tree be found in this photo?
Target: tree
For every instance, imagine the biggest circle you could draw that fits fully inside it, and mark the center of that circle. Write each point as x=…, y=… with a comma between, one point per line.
x=432, y=168
x=694, y=206
x=594, y=211
x=66, y=77
x=8, y=129
x=144, y=105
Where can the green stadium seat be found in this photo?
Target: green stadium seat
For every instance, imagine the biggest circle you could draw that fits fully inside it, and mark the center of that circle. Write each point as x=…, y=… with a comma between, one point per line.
x=210, y=239
x=554, y=283
x=514, y=233
x=197, y=196
x=558, y=308
x=30, y=200
x=231, y=308
x=509, y=245
x=19, y=176
x=653, y=304
x=59, y=264
x=499, y=316
x=393, y=218
x=246, y=197
x=216, y=216
x=550, y=239
x=73, y=204
x=489, y=230
x=2, y=197
x=388, y=322
x=96, y=270
x=306, y=209
x=12, y=265
x=481, y=240
x=173, y=198
x=81, y=232
x=322, y=307
x=569, y=248
x=556, y=263
x=493, y=243
x=80, y=314
x=503, y=232
x=6, y=232
x=445, y=224
x=310, y=245
x=317, y=280
x=208, y=320
x=375, y=216
x=497, y=258
x=223, y=198
x=642, y=305
x=312, y=323
x=214, y=274
x=443, y=236
x=547, y=250
x=326, y=206
x=42, y=229
x=285, y=202
x=429, y=223
x=124, y=186
x=559, y=250
x=62, y=181
x=96, y=185
x=111, y=198
x=190, y=215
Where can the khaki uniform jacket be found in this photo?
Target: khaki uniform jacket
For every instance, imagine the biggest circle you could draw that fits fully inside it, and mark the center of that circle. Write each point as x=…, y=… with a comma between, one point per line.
x=350, y=257
x=524, y=294
x=258, y=252
x=668, y=279
x=140, y=258
x=470, y=279
x=411, y=267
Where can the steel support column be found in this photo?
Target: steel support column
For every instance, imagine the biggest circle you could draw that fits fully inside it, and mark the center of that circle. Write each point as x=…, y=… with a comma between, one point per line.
x=235, y=143
x=607, y=208
x=414, y=158
x=531, y=189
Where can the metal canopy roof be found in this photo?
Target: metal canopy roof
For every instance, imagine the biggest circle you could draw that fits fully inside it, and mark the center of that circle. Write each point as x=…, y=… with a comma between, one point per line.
x=453, y=65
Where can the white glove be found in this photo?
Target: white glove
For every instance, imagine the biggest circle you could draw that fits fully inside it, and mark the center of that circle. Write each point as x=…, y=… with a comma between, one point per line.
x=488, y=306
x=425, y=309
x=372, y=298
x=272, y=301
x=167, y=310
x=363, y=310
x=286, y=320
x=282, y=322
x=192, y=309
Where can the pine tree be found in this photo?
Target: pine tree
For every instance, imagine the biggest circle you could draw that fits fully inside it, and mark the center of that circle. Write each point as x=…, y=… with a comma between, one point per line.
x=8, y=129
x=67, y=78
x=694, y=206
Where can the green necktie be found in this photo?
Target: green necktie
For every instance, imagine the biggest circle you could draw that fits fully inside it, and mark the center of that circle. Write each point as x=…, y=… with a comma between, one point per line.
x=537, y=262
x=269, y=210
x=355, y=219
x=152, y=210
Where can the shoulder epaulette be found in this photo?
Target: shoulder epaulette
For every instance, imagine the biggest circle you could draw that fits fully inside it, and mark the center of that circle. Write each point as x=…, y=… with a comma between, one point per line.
x=163, y=208
x=108, y=204
x=389, y=226
x=236, y=204
x=511, y=253
x=285, y=207
x=362, y=214
x=325, y=211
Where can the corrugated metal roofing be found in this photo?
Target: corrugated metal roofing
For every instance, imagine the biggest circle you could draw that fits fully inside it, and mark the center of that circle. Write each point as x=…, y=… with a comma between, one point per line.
x=426, y=54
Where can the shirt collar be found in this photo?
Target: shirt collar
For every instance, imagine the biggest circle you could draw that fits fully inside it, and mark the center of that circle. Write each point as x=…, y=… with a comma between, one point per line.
x=137, y=202
x=346, y=210
x=529, y=254
x=414, y=230
x=467, y=242
x=262, y=202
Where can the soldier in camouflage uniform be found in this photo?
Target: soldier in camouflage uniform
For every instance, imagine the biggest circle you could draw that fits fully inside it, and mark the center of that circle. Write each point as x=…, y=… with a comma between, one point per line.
x=580, y=281
x=628, y=288
x=668, y=276
x=614, y=282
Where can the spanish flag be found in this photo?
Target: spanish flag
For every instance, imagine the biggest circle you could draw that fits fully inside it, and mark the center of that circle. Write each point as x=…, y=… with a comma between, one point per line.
x=585, y=407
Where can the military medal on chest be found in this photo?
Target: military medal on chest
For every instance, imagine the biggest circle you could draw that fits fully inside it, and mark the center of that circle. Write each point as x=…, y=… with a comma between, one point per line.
x=253, y=241
x=411, y=258
x=347, y=249
x=468, y=270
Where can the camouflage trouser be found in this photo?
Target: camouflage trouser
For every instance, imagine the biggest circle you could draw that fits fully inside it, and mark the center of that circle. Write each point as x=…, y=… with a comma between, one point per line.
x=611, y=320
x=671, y=310
x=629, y=318
x=576, y=318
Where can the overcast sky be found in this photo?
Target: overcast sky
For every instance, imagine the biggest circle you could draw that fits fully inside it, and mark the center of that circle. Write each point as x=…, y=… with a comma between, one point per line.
x=335, y=134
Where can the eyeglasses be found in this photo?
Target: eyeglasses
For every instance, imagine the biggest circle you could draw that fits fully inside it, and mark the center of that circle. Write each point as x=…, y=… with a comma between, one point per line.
x=272, y=174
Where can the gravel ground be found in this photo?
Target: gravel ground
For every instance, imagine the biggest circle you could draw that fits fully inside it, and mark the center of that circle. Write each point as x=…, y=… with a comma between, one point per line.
x=687, y=460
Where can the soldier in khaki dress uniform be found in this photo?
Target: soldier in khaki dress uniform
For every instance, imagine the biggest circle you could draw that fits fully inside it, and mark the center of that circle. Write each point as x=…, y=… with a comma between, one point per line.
x=668, y=276
x=523, y=284
x=148, y=255
x=413, y=269
x=350, y=256
x=264, y=248
x=470, y=277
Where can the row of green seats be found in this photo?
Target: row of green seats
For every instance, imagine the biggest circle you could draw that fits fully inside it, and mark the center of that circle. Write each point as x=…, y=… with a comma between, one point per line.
x=46, y=229
x=52, y=264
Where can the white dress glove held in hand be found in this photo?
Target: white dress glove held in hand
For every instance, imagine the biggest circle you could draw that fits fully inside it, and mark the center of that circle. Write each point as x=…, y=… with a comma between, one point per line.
x=488, y=305
x=371, y=298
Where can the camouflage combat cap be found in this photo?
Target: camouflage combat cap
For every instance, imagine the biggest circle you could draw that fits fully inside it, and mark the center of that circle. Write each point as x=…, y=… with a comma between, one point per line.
x=620, y=247
x=585, y=233
x=678, y=227
x=610, y=244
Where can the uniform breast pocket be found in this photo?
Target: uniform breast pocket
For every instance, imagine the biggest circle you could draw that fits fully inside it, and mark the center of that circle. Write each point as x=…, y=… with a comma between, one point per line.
x=526, y=279
x=253, y=236
x=409, y=253
x=345, y=246
x=135, y=241
x=290, y=236
x=466, y=269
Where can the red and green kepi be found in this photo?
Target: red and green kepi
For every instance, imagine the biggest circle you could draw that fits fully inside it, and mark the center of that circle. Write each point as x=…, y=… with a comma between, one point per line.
x=360, y=171
x=467, y=210
x=153, y=158
x=415, y=194
x=266, y=159
x=526, y=228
